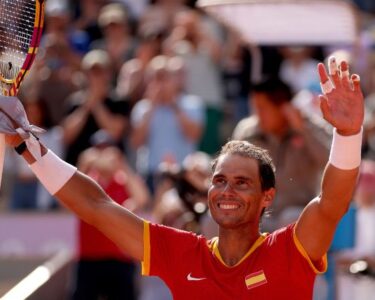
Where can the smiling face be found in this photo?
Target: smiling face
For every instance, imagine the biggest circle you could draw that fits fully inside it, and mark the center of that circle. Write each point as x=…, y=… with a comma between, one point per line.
x=235, y=196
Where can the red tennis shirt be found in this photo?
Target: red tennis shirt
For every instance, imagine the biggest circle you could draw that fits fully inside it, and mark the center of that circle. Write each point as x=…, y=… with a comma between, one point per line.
x=276, y=266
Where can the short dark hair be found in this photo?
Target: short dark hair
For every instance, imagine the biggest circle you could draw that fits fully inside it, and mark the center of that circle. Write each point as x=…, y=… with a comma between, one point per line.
x=277, y=90
x=245, y=149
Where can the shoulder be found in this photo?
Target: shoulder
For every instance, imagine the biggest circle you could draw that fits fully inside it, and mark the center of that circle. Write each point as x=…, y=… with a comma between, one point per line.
x=162, y=231
x=176, y=240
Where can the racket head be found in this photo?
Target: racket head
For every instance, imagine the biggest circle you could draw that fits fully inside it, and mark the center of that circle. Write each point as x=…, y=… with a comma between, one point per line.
x=21, y=26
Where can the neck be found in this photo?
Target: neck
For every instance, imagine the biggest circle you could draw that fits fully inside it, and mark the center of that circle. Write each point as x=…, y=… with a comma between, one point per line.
x=233, y=244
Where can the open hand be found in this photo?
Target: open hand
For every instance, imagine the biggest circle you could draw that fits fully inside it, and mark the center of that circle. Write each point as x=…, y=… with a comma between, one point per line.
x=342, y=104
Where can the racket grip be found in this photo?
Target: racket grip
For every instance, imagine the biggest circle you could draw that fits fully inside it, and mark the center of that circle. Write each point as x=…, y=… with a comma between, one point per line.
x=2, y=154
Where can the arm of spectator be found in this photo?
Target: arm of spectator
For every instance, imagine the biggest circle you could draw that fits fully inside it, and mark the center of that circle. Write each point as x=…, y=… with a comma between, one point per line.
x=191, y=129
x=114, y=124
x=139, y=193
x=343, y=108
x=140, y=120
x=73, y=124
x=211, y=44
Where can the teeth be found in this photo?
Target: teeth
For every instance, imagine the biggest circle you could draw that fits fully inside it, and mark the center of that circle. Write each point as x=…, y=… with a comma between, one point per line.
x=228, y=206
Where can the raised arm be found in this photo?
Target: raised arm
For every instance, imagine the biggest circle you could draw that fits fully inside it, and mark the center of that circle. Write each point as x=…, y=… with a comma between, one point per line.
x=85, y=198
x=342, y=106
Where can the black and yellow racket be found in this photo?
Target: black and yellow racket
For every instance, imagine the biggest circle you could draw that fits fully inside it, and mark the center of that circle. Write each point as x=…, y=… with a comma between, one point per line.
x=21, y=26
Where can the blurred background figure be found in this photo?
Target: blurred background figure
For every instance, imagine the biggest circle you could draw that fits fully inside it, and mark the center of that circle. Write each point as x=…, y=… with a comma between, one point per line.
x=94, y=107
x=356, y=267
x=295, y=143
x=237, y=75
x=168, y=123
x=103, y=270
x=131, y=81
x=117, y=39
x=85, y=17
x=198, y=44
x=160, y=14
x=181, y=198
x=298, y=68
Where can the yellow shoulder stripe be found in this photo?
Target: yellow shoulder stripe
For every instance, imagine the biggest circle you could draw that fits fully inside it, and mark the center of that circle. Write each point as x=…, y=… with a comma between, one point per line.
x=146, y=249
x=322, y=264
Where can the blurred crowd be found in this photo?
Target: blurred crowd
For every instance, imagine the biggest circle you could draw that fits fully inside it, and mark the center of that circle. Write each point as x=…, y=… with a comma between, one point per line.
x=140, y=95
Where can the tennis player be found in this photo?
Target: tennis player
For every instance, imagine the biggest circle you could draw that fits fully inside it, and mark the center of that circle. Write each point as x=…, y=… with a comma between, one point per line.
x=241, y=263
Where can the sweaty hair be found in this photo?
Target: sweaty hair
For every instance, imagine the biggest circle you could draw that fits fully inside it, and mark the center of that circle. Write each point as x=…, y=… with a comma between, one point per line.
x=246, y=149
x=277, y=90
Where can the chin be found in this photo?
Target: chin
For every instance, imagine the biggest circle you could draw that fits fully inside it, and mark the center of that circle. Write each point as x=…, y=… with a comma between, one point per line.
x=227, y=224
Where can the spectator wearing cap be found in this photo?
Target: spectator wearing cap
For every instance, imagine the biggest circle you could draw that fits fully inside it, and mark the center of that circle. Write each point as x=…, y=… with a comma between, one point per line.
x=130, y=83
x=93, y=107
x=117, y=39
x=298, y=145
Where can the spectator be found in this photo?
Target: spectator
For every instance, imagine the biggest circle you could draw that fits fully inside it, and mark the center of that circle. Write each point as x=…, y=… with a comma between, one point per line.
x=131, y=79
x=168, y=123
x=160, y=14
x=298, y=69
x=93, y=108
x=117, y=40
x=103, y=270
x=201, y=51
x=299, y=147
x=86, y=17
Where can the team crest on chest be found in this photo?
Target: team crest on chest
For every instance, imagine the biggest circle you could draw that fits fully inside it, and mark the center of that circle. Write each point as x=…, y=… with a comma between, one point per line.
x=255, y=279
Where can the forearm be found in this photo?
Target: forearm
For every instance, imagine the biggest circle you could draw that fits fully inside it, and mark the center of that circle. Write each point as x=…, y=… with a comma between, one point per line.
x=73, y=124
x=140, y=133
x=139, y=195
x=191, y=129
x=337, y=191
x=113, y=123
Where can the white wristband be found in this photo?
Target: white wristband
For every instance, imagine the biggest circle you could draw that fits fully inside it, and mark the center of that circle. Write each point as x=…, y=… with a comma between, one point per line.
x=346, y=151
x=52, y=171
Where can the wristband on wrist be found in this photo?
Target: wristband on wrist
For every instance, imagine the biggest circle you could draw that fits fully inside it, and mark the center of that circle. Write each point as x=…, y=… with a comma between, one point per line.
x=52, y=171
x=346, y=151
x=21, y=148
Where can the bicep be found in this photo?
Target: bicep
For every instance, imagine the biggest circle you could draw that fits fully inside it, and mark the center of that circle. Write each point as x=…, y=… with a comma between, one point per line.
x=315, y=230
x=317, y=224
x=87, y=199
x=124, y=228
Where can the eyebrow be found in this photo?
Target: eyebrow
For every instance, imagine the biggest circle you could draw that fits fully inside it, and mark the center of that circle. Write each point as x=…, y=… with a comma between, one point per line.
x=247, y=178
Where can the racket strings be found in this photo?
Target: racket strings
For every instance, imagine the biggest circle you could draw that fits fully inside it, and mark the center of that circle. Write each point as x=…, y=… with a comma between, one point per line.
x=16, y=31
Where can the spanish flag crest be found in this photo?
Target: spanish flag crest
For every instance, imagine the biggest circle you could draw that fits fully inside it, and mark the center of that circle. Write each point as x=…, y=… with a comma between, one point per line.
x=255, y=279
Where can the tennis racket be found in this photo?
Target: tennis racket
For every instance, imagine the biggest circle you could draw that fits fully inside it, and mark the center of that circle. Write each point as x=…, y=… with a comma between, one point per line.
x=21, y=25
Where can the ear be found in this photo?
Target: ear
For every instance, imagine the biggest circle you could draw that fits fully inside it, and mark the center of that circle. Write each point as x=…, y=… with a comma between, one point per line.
x=268, y=197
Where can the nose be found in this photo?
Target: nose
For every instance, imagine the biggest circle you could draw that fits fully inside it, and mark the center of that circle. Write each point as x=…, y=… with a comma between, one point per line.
x=228, y=189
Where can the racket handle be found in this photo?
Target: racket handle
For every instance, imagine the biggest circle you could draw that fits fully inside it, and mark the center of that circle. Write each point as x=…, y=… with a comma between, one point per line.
x=2, y=154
